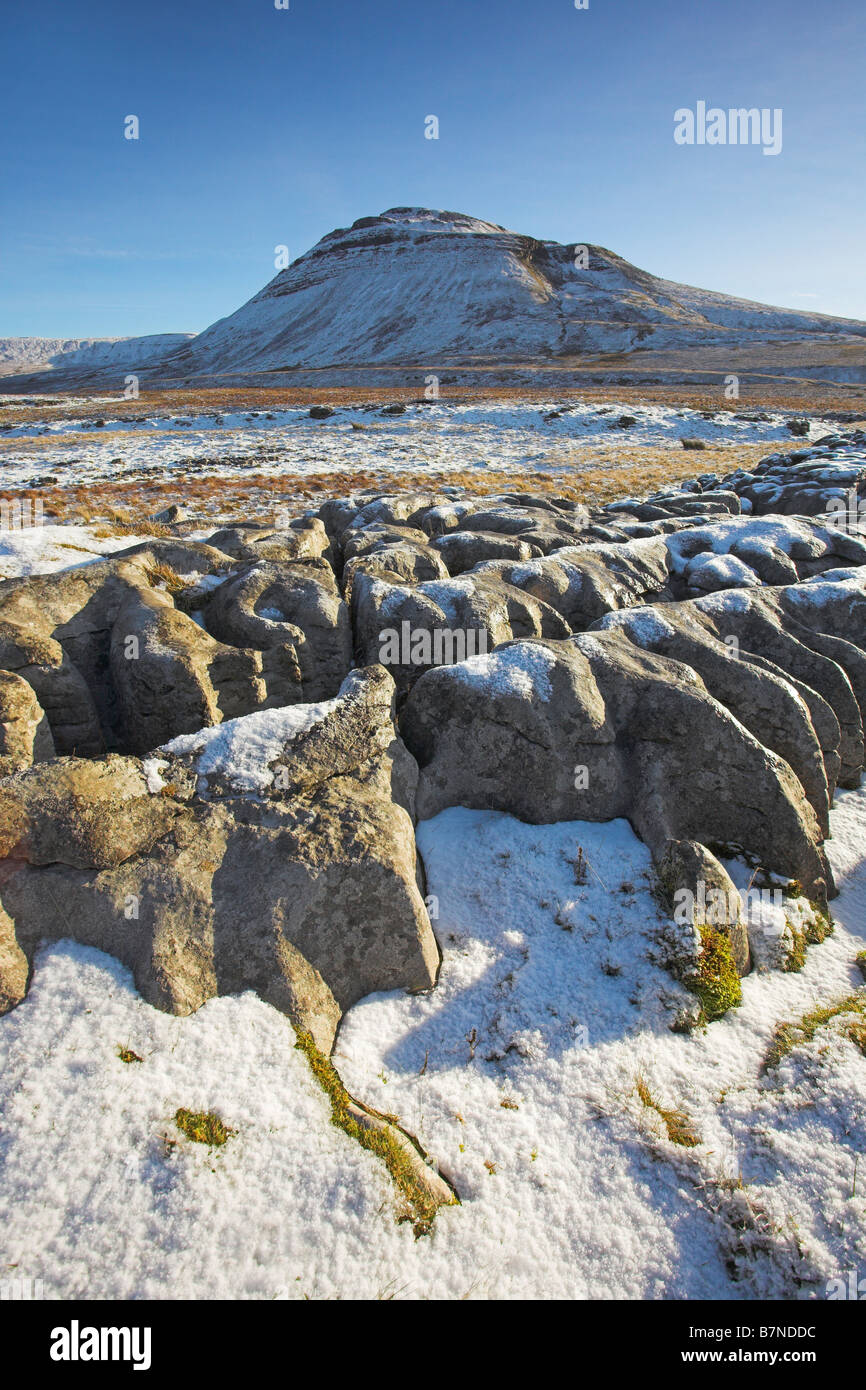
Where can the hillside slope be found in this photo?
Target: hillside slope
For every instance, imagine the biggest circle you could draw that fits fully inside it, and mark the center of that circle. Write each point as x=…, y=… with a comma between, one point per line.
x=414, y=286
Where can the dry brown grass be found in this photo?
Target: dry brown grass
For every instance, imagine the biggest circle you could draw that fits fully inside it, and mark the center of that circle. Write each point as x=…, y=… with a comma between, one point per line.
x=126, y=504
x=783, y=395
x=163, y=575
x=680, y=1129
x=590, y=473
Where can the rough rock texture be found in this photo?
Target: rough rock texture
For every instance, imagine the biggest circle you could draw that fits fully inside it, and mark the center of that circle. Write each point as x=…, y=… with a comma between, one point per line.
x=82, y=813
x=480, y=612
x=306, y=893
x=582, y=584
x=767, y=704
x=170, y=636
x=770, y=634
x=684, y=864
x=303, y=538
x=295, y=616
x=25, y=736
x=594, y=728
x=170, y=677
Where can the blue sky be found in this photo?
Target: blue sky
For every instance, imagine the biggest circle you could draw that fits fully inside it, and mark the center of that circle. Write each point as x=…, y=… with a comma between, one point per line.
x=262, y=126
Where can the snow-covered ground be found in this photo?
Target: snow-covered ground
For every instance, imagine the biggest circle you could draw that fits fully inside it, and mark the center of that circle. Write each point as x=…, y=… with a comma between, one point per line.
x=517, y=1073
x=47, y=549
x=436, y=435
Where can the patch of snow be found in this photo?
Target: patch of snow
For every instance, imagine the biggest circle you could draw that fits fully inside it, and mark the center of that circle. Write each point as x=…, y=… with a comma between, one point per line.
x=47, y=549
x=644, y=625
x=551, y=999
x=242, y=750
x=721, y=571
x=762, y=534
x=727, y=601
x=522, y=669
x=152, y=769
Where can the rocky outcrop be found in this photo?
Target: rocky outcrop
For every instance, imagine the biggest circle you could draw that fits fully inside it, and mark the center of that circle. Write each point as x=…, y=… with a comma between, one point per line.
x=820, y=479
x=170, y=677
x=25, y=736
x=689, y=873
x=763, y=695
x=594, y=728
x=194, y=778
x=170, y=636
x=409, y=629
x=583, y=583
x=303, y=538
x=293, y=615
x=300, y=884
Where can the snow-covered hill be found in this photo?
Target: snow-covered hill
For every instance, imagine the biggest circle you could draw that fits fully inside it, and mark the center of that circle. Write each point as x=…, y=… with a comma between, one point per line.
x=19, y=355
x=416, y=286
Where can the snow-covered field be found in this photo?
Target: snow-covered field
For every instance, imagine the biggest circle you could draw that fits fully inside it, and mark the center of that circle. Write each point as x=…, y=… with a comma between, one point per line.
x=46, y=549
x=518, y=1074
x=436, y=435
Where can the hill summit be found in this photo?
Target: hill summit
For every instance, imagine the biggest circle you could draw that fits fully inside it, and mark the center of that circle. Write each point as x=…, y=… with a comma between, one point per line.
x=419, y=286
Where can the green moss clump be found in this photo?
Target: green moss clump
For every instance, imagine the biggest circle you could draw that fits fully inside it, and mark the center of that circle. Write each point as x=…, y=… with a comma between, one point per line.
x=717, y=981
x=861, y=963
x=819, y=927
x=797, y=954
x=127, y=1055
x=203, y=1127
x=421, y=1204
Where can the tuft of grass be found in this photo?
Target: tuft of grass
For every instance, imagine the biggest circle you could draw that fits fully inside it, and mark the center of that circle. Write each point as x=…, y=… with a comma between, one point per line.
x=127, y=1055
x=788, y=1035
x=164, y=574
x=860, y=961
x=421, y=1205
x=716, y=982
x=202, y=1126
x=818, y=928
x=677, y=1123
x=122, y=524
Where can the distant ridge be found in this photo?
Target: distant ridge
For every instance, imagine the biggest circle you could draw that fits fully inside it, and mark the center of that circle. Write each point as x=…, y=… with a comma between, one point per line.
x=18, y=355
